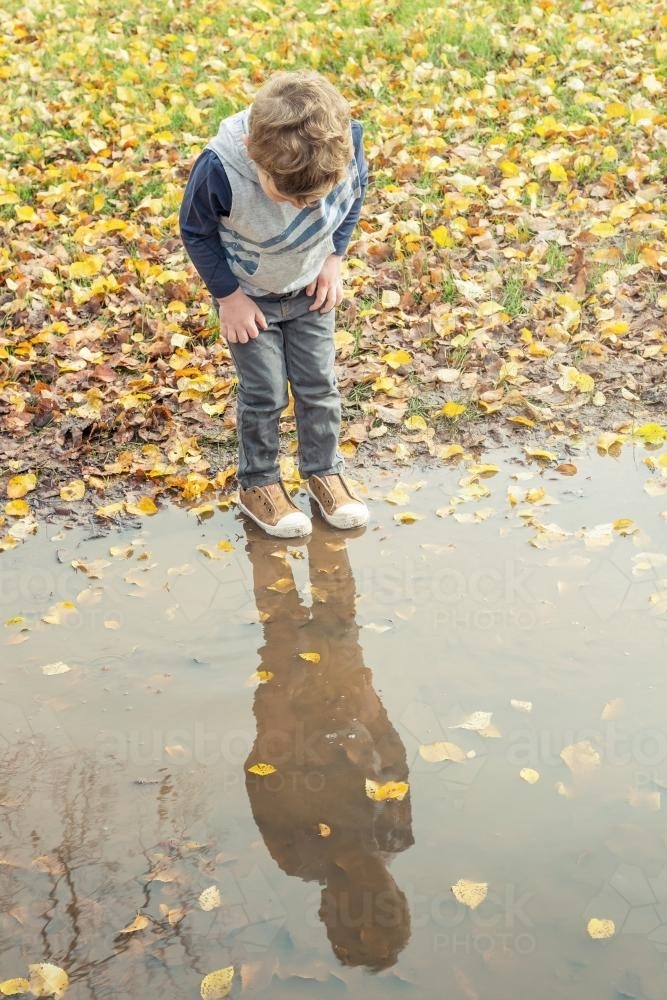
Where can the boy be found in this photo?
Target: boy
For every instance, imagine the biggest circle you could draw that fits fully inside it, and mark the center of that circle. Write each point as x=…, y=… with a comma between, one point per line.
x=266, y=218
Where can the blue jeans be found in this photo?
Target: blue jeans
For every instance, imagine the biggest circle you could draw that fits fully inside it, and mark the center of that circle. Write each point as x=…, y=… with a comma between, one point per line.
x=298, y=346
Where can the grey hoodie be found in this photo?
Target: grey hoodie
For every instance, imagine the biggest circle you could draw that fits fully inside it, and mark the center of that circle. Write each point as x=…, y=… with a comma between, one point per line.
x=273, y=247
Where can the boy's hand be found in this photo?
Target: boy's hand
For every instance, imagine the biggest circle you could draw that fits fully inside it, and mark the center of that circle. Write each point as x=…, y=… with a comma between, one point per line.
x=240, y=318
x=328, y=286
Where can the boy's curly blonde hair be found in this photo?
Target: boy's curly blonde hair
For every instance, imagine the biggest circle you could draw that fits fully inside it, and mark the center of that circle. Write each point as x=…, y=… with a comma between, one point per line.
x=299, y=134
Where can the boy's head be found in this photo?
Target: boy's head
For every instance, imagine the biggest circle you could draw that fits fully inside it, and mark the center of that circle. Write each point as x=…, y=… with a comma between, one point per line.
x=299, y=137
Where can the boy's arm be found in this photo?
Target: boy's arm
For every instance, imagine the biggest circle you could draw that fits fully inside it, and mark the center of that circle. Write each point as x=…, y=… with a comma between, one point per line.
x=208, y=195
x=327, y=287
x=343, y=234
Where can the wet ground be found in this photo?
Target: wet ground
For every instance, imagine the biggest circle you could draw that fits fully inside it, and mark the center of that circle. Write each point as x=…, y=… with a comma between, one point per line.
x=517, y=617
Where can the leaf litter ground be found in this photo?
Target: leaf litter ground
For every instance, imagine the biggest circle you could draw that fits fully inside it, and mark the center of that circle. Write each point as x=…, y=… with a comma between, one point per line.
x=506, y=280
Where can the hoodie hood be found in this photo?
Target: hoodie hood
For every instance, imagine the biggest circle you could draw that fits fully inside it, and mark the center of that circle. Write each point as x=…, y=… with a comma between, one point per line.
x=229, y=146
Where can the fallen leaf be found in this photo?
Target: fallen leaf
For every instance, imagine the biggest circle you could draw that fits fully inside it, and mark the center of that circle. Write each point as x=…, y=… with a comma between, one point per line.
x=282, y=586
x=140, y=923
x=51, y=669
x=475, y=722
x=47, y=980
x=471, y=894
x=12, y=987
x=216, y=985
x=581, y=757
x=389, y=790
x=262, y=769
x=310, y=657
x=210, y=898
x=73, y=491
x=600, y=928
x=530, y=775
x=17, y=487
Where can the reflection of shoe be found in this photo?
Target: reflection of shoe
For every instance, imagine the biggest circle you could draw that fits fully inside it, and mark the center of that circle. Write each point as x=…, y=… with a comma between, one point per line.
x=340, y=507
x=272, y=509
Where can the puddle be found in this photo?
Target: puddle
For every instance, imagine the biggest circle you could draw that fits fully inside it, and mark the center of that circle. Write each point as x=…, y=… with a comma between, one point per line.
x=125, y=786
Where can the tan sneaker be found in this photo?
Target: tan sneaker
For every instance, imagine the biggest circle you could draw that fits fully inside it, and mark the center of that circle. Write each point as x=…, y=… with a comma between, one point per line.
x=339, y=506
x=272, y=509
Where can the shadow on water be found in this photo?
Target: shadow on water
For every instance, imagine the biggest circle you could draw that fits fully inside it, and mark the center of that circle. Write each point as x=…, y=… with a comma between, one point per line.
x=323, y=727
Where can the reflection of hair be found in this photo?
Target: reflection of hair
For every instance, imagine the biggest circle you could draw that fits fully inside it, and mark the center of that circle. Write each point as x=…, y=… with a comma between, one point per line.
x=299, y=133
x=367, y=919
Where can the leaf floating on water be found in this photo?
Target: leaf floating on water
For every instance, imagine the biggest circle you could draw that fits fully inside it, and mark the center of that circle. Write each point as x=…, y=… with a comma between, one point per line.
x=324, y=829
x=140, y=923
x=12, y=987
x=600, y=929
x=475, y=722
x=282, y=586
x=581, y=757
x=51, y=669
x=48, y=980
x=434, y=753
x=389, y=790
x=262, y=769
x=174, y=915
x=143, y=506
x=310, y=657
x=216, y=985
x=613, y=710
x=521, y=706
x=210, y=898
x=59, y=613
x=407, y=517
x=529, y=775
x=471, y=894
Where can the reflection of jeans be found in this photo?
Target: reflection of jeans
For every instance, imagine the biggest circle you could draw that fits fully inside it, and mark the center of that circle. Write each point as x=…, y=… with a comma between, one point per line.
x=298, y=345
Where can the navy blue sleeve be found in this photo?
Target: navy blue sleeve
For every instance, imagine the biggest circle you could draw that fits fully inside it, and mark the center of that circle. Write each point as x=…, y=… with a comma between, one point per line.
x=208, y=195
x=343, y=234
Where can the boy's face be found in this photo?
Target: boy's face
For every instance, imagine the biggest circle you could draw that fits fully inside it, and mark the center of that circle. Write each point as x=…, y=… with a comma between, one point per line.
x=272, y=192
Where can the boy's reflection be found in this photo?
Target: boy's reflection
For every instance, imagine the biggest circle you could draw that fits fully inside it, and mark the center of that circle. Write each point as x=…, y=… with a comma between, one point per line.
x=323, y=727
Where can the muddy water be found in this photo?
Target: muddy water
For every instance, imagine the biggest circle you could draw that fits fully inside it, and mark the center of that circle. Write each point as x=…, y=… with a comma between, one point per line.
x=126, y=786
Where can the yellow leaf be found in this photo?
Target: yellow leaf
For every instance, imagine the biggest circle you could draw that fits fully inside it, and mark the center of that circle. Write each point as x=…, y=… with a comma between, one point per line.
x=11, y=987
x=396, y=358
x=600, y=928
x=145, y=505
x=324, y=829
x=443, y=750
x=17, y=508
x=140, y=923
x=110, y=510
x=529, y=775
x=603, y=229
x=397, y=496
x=415, y=423
x=407, y=517
x=540, y=453
x=536, y=494
x=18, y=486
x=310, y=657
x=574, y=379
x=609, y=442
x=210, y=898
x=485, y=470
x=263, y=676
x=390, y=299
x=262, y=769
x=452, y=409
x=89, y=267
x=225, y=545
x=282, y=586
x=26, y=213
x=47, y=980
x=73, y=491
x=449, y=451
x=216, y=985
x=581, y=757
x=651, y=433
x=389, y=790
x=59, y=612
x=557, y=172
x=442, y=237
x=471, y=894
